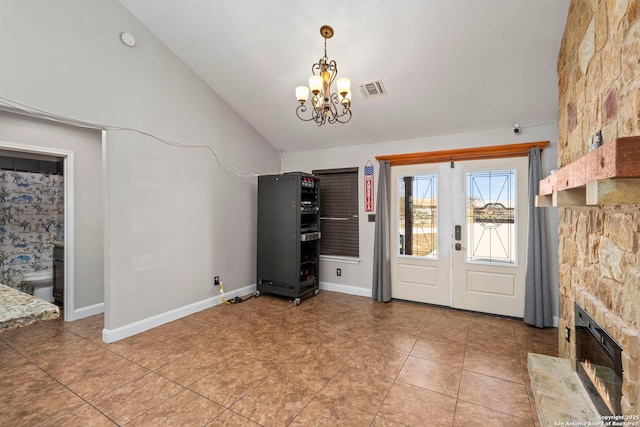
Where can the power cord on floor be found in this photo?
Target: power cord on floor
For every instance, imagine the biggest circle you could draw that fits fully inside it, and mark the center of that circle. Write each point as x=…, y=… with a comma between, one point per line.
x=236, y=300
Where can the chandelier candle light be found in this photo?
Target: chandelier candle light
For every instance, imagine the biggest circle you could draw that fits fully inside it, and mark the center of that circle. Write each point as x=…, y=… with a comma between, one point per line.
x=326, y=106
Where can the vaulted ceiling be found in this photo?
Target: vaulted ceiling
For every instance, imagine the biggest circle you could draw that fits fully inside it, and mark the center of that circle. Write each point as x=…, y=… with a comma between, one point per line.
x=447, y=66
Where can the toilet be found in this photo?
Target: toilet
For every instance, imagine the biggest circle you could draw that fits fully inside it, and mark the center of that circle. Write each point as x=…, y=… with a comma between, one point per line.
x=41, y=282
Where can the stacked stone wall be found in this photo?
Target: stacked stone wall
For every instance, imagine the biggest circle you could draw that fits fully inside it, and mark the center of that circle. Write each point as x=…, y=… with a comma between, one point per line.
x=599, y=253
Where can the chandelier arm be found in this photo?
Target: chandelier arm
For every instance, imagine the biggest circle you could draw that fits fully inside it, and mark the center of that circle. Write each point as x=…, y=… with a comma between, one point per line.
x=345, y=113
x=336, y=105
x=316, y=67
x=332, y=115
x=332, y=66
x=302, y=109
x=316, y=116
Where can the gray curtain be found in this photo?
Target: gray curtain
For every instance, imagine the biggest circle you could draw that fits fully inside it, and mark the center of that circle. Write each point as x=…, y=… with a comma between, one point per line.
x=381, y=255
x=537, y=303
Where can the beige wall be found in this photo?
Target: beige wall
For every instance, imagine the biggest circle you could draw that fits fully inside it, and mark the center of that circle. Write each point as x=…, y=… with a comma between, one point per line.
x=599, y=256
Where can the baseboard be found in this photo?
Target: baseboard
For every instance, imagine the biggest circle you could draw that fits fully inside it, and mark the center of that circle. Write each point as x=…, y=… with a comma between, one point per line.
x=91, y=310
x=113, y=335
x=345, y=289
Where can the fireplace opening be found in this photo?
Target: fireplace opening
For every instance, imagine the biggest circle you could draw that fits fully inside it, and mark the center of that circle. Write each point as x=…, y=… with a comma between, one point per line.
x=599, y=364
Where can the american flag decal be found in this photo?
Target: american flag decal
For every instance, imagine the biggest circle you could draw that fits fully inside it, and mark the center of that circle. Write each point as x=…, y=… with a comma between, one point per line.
x=368, y=187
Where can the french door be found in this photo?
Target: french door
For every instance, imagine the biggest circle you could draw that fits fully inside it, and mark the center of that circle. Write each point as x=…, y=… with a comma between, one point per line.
x=459, y=234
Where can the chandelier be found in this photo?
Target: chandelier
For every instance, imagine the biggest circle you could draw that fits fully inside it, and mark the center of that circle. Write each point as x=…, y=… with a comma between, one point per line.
x=325, y=106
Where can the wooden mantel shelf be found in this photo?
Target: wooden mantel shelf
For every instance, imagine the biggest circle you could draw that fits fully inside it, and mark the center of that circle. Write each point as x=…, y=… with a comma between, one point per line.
x=609, y=175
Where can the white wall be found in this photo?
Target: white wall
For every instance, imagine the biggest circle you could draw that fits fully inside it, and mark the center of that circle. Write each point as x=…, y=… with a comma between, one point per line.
x=86, y=145
x=66, y=57
x=356, y=278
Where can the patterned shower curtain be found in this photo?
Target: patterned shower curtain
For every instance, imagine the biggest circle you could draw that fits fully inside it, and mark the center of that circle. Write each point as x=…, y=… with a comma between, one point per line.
x=31, y=222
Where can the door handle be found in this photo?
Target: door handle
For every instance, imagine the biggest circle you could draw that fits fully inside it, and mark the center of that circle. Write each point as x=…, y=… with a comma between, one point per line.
x=458, y=247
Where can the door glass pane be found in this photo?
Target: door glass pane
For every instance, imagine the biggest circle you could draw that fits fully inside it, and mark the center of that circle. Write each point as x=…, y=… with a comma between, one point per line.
x=418, y=214
x=491, y=216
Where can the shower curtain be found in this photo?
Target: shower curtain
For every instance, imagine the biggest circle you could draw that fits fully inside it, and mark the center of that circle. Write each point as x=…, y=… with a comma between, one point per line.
x=31, y=223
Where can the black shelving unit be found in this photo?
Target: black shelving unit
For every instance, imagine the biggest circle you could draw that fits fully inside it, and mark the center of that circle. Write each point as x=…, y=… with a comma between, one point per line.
x=288, y=235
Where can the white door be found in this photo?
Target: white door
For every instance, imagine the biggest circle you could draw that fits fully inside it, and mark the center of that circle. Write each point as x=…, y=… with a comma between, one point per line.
x=461, y=234
x=420, y=212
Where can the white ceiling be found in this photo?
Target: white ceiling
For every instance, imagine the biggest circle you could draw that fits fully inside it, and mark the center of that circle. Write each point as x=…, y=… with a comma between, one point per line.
x=448, y=65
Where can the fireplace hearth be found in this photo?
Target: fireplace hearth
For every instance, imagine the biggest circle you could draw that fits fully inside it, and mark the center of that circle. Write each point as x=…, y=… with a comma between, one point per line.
x=598, y=363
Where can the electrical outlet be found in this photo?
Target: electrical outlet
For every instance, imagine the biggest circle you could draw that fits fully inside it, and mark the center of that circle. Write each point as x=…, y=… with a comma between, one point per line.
x=216, y=281
x=338, y=272
x=567, y=333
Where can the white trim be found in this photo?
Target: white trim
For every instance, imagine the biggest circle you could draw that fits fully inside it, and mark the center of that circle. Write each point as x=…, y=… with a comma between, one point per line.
x=69, y=233
x=88, y=311
x=106, y=242
x=69, y=225
x=125, y=331
x=340, y=259
x=345, y=289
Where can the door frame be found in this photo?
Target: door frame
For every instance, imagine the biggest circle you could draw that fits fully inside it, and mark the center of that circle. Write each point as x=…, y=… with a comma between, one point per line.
x=69, y=223
x=474, y=153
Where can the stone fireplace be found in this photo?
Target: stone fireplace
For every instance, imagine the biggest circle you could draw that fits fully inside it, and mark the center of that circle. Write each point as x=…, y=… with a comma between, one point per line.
x=599, y=248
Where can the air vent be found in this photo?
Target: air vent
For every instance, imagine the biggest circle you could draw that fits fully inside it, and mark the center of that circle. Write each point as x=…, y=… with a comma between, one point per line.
x=373, y=88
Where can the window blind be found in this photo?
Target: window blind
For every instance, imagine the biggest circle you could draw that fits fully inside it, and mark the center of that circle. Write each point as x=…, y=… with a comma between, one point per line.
x=339, y=211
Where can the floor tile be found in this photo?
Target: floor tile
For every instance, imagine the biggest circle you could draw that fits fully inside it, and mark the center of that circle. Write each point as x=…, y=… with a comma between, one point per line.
x=431, y=375
x=324, y=411
x=139, y=343
x=51, y=402
x=495, y=393
x=503, y=366
x=129, y=401
x=443, y=333
x=468, y=414
x=190, y=368
x=392, y=341
x=101, y=378
x=84, y=416
x=498, y=345
x=309, y=371
x=335, y=360
x=154, y=355
x=24, y=382
x=451, y=319
x=448, y=353
x=274, y=402
x=378, y=362
x=358, y=388
x=227, y=385
x=379, y=421
x=89, y=327
x=415, y=406
x=230, y=419
x=183, y=409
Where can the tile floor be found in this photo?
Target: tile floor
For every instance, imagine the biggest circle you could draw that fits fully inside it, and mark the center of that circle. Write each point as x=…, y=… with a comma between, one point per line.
x=334, y=360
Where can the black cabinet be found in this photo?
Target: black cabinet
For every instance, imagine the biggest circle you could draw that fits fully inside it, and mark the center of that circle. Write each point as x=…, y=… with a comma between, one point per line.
x=58, y=274
x=288, y=235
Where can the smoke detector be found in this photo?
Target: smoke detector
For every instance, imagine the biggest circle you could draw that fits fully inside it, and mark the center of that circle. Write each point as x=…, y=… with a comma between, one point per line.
x=372, y=89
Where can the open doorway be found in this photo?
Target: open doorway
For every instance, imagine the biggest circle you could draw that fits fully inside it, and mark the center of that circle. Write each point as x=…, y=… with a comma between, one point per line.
x=36, y=206
x=80, y=151
x=32, y=224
